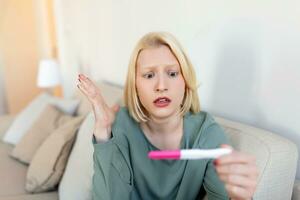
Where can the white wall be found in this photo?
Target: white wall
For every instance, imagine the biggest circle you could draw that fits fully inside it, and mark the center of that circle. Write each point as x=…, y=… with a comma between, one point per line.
x=19, y=53
x=246, y=53
x=3, y=103
x=2, y=92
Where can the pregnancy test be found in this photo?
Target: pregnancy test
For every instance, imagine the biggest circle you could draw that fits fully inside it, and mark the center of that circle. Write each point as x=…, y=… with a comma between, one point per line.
x=190, y=154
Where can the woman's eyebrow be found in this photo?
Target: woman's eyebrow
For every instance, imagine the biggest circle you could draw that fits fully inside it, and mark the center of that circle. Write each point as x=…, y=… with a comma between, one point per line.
x=155, y=66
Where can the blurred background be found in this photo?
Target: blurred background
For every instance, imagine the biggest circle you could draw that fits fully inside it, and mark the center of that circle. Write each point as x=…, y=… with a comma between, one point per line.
x=246, y=53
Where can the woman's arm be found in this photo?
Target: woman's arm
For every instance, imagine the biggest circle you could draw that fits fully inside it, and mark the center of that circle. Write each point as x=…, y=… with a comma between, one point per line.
x=112, y=178
x=104, y=115
x=110, y=167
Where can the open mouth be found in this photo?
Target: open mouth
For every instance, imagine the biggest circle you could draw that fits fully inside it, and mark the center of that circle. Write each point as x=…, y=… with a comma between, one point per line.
x=162, y=101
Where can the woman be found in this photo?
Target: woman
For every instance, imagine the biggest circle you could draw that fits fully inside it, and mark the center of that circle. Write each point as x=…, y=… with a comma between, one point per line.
x=161, y=112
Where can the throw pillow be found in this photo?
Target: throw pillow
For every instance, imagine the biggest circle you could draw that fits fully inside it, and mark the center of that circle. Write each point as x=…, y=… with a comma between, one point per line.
x=49, y=120
x=48, y=164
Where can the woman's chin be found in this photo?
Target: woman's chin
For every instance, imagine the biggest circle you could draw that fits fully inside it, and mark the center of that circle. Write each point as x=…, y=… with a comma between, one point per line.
x=162, y=113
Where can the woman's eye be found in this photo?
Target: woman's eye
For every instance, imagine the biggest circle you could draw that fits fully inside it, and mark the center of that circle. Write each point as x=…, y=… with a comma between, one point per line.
x=149, y=75
x=173, y=74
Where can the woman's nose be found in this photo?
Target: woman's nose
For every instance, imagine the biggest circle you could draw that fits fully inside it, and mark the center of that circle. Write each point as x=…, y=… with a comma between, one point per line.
x=161, y=85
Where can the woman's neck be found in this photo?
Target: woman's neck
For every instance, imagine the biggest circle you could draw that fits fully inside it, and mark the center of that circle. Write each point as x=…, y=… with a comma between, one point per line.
x=164, y=133
x=163, y=126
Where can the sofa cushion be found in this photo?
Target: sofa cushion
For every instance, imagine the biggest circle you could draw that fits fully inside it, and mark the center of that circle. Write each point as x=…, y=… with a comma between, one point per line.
x=30, y=113
x=79, y=187
x=5, y=122
x=48, y=164
x=49, y=120
x=44, y=196
x=12, y=171
x=14, y=174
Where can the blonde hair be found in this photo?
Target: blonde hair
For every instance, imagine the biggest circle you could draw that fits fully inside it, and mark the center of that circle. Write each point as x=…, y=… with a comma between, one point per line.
x=154, y=40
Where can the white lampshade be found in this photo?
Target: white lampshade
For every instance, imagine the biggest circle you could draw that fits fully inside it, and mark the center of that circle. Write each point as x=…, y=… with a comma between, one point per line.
x=48, y=74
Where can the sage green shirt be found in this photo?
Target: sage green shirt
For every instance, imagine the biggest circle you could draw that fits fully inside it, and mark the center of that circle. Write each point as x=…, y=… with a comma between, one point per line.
x=122, y=169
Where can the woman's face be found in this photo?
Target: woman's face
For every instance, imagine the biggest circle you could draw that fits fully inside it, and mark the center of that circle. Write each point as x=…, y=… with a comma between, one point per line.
x=159, y=82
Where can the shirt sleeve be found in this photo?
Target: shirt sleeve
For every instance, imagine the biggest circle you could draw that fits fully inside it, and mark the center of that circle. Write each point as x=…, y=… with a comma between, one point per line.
x=213, y=186
x=112, y=177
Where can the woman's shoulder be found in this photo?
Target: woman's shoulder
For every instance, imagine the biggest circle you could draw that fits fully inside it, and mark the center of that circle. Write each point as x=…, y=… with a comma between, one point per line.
x=204, y=118
x=122, y=126
x=123, y=111
x=209, y=132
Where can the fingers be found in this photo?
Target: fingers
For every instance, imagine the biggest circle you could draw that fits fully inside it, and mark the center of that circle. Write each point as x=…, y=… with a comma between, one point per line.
x=236, y=192
x=236, y=157
x=88, y=84
x=239, y=173
x=104, y=115
x=238, y=180
x=239, y=169
x=81, y=84
x=90, y=90
x=84, y=82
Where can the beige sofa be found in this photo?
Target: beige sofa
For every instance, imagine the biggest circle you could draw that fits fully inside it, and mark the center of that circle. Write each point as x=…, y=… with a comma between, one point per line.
x=276, y=158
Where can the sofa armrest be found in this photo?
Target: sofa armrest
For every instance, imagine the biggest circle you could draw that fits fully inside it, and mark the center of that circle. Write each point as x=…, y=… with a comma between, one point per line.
x=276, y=158
x=296, y=190
x=5, y=122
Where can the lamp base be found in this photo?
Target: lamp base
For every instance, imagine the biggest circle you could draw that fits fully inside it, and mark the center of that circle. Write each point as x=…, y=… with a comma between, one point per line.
x=57, y=91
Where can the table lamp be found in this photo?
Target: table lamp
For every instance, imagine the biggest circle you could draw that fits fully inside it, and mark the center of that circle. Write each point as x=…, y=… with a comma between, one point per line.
x=48, y=75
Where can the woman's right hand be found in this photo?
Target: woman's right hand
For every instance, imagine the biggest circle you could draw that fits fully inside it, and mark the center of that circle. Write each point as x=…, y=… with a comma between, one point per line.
x=104, y=115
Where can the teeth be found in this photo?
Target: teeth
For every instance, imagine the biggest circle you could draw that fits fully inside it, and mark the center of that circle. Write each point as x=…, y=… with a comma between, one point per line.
x=162, y=100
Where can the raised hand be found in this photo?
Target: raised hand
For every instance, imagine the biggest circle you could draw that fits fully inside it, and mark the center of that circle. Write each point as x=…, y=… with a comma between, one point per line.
x=104, y=115
x=239, y=173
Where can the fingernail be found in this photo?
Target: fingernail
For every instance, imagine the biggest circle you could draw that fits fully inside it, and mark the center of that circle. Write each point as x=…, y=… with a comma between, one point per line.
x=215, y=162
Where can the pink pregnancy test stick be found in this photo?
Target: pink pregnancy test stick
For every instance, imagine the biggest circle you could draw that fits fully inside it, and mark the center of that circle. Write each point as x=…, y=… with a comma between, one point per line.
x=188, y=154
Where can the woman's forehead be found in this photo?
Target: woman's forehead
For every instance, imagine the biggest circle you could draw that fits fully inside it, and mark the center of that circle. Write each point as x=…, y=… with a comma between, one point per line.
x=156, y=56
